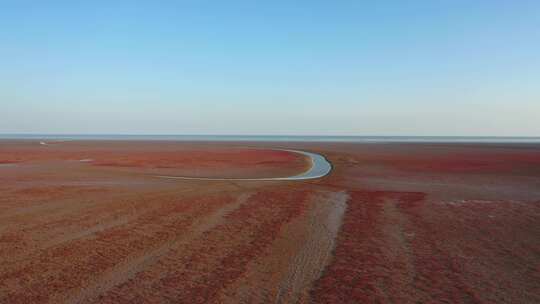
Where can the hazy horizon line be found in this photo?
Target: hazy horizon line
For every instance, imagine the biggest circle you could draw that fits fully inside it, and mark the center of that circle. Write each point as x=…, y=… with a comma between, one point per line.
x=259, y=135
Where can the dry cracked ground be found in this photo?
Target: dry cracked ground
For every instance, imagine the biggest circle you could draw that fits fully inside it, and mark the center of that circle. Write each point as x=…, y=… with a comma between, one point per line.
x=89, y=222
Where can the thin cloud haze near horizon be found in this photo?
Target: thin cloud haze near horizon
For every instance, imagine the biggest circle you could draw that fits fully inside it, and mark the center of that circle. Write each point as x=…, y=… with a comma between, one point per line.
x=308, y=68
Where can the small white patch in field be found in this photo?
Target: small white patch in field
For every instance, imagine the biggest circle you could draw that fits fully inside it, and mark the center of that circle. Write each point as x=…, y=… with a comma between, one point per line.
x=86, y=160
x=43, y=143
x=476, y=201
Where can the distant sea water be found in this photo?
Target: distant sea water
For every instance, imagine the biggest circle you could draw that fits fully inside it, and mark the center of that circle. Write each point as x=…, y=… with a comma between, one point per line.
x=280, y=138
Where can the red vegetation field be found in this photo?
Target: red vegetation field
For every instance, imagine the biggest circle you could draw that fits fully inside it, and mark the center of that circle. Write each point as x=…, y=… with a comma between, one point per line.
x=161, y=158
x=89, y=222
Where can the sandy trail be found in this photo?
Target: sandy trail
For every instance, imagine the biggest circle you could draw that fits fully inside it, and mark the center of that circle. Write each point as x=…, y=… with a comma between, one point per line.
x=296, y=259
x=324, y=221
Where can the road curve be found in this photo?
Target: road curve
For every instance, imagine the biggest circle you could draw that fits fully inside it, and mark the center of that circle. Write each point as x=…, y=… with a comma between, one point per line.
x=320, y=167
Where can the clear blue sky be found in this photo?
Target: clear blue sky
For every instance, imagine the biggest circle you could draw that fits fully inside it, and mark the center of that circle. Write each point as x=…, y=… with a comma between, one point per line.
x=279, y=67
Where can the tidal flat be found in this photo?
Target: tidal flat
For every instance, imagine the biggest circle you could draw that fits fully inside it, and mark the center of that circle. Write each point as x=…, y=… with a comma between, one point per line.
x=90, y=221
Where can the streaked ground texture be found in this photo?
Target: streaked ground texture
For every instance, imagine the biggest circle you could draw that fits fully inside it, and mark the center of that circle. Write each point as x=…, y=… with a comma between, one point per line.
x=88, y=222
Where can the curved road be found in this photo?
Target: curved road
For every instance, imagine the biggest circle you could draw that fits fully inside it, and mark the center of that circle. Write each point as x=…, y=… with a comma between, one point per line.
x=320, y=167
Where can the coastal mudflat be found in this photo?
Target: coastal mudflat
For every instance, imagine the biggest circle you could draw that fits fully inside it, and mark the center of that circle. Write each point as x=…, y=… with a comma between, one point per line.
x=89, y=222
